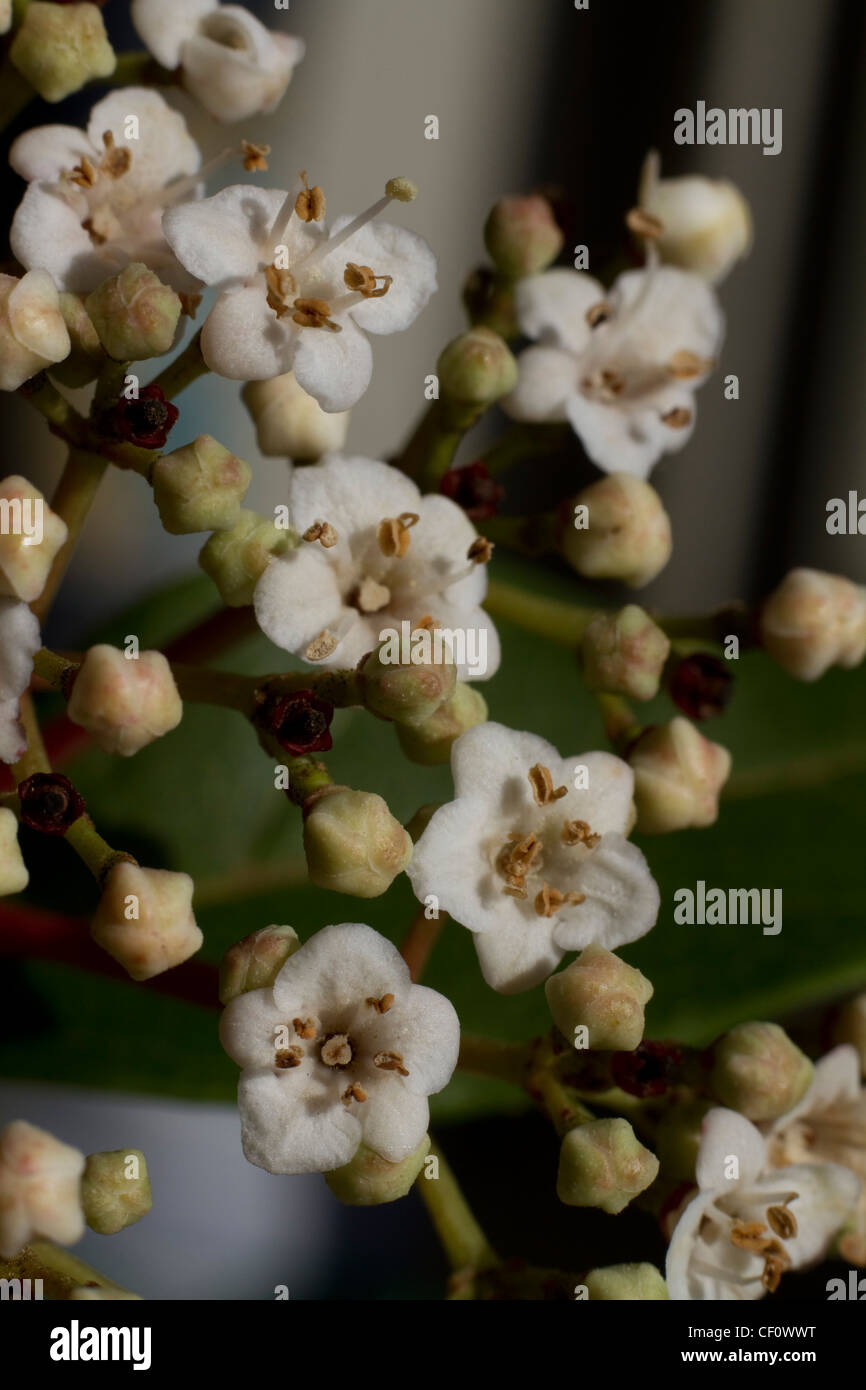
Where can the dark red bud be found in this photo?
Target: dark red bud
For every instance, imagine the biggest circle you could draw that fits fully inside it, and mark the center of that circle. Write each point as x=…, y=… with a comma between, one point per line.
x=49, y=803
x=701, y=685
x=300, y=722
x=650, y=1070
x=145, y=422
x=474, y=489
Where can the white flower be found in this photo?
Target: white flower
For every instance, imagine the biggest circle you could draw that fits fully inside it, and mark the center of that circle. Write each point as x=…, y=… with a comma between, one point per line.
x=829, y=1126
x=96, y=197
x=19, y=643
x=230, y=62
x=706, y=223
x=532, y=854
x=330, y=603
x=343, y=1049
x=626, y=384
x=33, y=334
x=294, y=298
x=40, y=1188
x=748, y=1222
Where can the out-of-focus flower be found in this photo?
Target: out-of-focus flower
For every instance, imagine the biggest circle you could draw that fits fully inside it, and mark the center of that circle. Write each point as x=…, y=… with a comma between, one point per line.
x=20, y=640
x=624, y=653
x=678, y=775
x=813, y=621
x=125, y=704
x=706, y=225
x=628, y=536
x=33, y=334
x=40, y=1188
x=58, y=48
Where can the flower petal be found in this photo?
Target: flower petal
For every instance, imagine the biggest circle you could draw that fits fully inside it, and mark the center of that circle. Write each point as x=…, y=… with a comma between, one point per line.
x=546, y=380
x=286, y=1129
x=621, y=899
x=162, y=148
x=335, y=368
x=606, y=801
x=236, y=67
x=493, y=762
x=826, y=1195
x=164, y=25
x=424, y=1028
x=341, y=965
x=552, y=307
x=449, y=862
x=679, y=311
x=297, y=597
x=621, y=440
x=394, y=251
x=47, y=151
x=47, y=234
x=354, y=494
x=726, y=1135
x=515, y=955
x=247, y=1026
x=221, y=239
x=393, y=1119
x=242, y=339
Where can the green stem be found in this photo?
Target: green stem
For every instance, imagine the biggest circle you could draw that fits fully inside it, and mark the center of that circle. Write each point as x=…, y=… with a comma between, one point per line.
x=548, y=617
x=183, y=371
x=502, y=1061
x=419, y=941
x=307, y=776
x=560, y=1104
x=35, y=758
x=44, y=396
x=136, y=69
x=78, y=486
x=463, y=1240
x=621, y=725
x=59, y=1271
x=431, y=449
x=92, y=850
x=521, y=442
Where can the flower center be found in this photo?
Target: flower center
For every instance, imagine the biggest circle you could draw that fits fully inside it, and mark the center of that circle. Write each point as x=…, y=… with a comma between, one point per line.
x=521, y=857
x=341, y=1052
x=336, y=1050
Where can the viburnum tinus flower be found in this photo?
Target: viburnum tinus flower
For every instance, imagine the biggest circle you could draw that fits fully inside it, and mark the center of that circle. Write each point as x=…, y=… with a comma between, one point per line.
x=829, y=1126
x=622, y=365
x=19, y=643
x=532, y=854
x=96, y=197
x=342, y=1049
x=40, y=1188
x=294, y=298
x=229, y=61
x=749, y=1222
x=375, y=554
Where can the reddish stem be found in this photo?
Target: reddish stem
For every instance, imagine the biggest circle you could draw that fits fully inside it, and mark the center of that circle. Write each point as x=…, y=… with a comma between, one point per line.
x=419, y=942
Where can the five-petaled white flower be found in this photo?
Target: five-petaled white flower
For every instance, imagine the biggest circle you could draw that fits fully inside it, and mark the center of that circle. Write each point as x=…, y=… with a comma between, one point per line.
x=229, y=61
x=749, y=1222
x=532, y=854
x=40, y=1188
x=294, y=298
x=96, y=197
x=19, y=643
x=621, y=366
x=829, y=1126
x=343, y=1049
x=389, y=555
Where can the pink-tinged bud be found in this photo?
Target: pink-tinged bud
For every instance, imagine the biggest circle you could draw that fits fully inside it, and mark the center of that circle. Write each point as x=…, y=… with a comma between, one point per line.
x=601, y=994
x=13, y=871
x=87, y=355
x=521, y=236
x=625, y=532
x=200, y=487
x=255, y=962
x=353, y=844
x=625, y=1283
x=603, y=1164
x=124, y=702
x=30, y=536
x=624, y=653
x=369, y=1180
x=430, y=743
x=236, y=559
x=33, y=334
x=40, y=1188
x=60, y=47
x=706, y=223
x=678, y=775
x=813, y=621
x=290, y=423
x=144, y=920
x=759, y=1071
x=134, y=313
x=115, y=1190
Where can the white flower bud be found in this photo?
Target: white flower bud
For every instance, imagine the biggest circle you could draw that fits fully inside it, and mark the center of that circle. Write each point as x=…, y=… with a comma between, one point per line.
x=60, y=47
x=813, y=621
x=602, y=993
x=628, y=536
x=707, y=225
x=13, y=871
x=125, y=704
x=115, y=1190
x=604, y=1164
x=33, y=334
x=759, y=1071
x=353, y=844
x=40, y=1188
x=678, y=775
x=255, y=962
x=144, y=920
x=290, y=423
x=624, y=653
x=20, y=640
x=34, y=537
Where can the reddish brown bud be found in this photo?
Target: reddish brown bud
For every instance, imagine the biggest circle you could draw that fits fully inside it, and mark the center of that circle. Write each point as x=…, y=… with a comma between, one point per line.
x=474, y=489
x=701, y=685
x=300, y=722
x=145, y=422
x=49, y=803
x=648, y=1071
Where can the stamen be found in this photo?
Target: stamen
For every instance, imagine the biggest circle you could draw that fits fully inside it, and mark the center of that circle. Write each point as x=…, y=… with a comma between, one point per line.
x=392, y=534
x=371, y=596
x=321, y=646
x=281, y=285
x=381, y=1005
x=390, y=1061
x=310, y=202
x=516, y=859
x=549, y=900
x=84, y=175
x=480, y=551
x=189, y=303
x=677, y=418
x=314, y=313
x=305, y=1028
x=323, y=532
x=686, y=364
x=289, y=1057
x=543, y=789
x=642, y=223
x=783, y=1221
x=749, y=1235
x=403, y=190
x=353, y=1092
x=116, y=160
x=579, y=832
x=598, y=313
x=361, y=279
x=255, y=157
x=336, y=1051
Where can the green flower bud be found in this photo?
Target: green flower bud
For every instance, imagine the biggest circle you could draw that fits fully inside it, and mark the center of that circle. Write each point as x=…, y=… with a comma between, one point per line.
x=626, y=1283
x=255, y=962
x=476, y=368
x=599, y=992
x=624, y=653
x=759, y=1071
x=235, y=559
x=522, y=236
x=60, y=47
x=628, y=536
x=603, y=1164
x=115, y=1190
x=407, y=694
x=430, y=743
x=134, y=313
x=353, y=844
x=200, y=487
x=87, y=355
x=369, y=1180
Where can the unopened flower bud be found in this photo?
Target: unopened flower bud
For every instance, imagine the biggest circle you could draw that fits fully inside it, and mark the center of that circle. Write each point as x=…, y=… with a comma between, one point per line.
x=49, y=803
x=353, y=844
x=134, y=313
x=124, y=703
x=200, y=487
x=430, y=743
x=599, y=992
x=255, y=962
x=473, y=488
x=651, y=1069
x=408, y=694
x=369, y=1180
x=813, y=621
x=603, y=1164
x=28, y=547
x=146, y=421
x=13, y=871
x=236, y=559
x=624, y=653
x=706, y=223
x=115, y=1190
x=678, y=775
x=626, y=1283
x=87, y=355
x=60, y=47
x=290, y=423
x=522, y=236
x=476, y=368
x=701, y=685
x=850, y=1027
x=299, y=722
x=33, y=334
x=758, y=1071
x=40, y=1188
x=144, y=919
x=628, y=535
